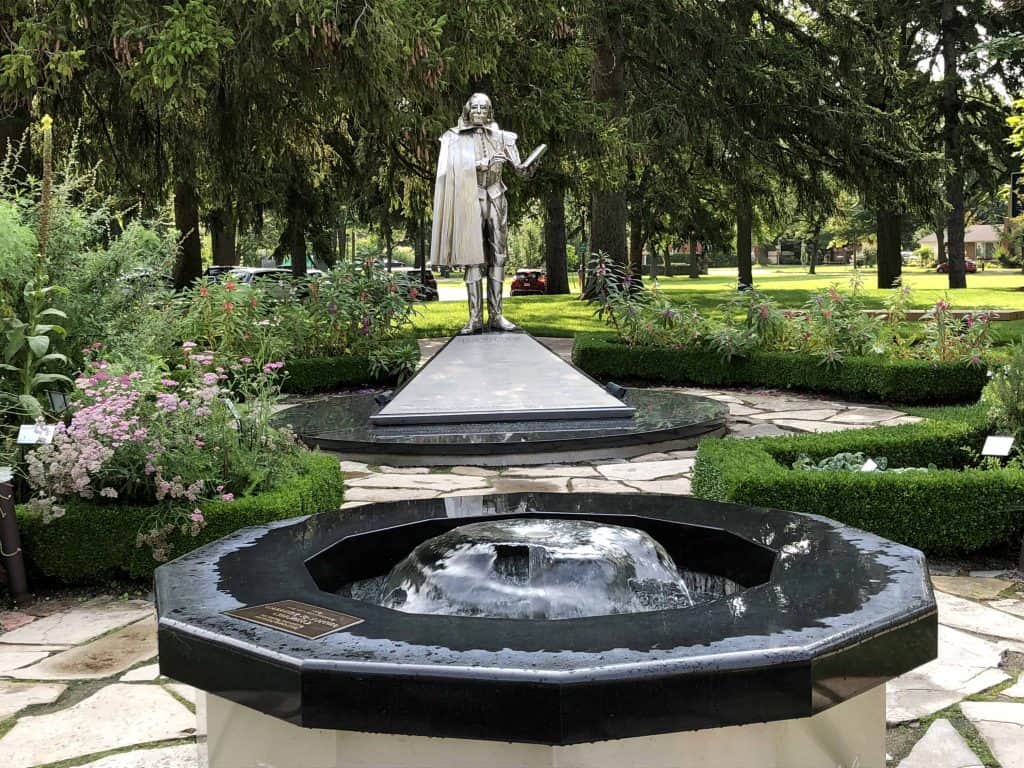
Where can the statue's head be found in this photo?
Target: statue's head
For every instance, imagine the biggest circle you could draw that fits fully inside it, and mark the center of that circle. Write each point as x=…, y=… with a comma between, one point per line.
x=478, y=110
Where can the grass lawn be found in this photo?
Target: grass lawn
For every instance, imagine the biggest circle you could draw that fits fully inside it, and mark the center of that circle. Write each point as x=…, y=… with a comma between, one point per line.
x=791, y=287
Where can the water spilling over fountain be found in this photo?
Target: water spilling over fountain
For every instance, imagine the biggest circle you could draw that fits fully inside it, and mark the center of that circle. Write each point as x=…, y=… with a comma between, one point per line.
x=543, y=630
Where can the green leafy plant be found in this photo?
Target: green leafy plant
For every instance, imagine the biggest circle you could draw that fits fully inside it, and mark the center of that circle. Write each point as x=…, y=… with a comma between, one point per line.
x=27, y=350
x=1003, y=396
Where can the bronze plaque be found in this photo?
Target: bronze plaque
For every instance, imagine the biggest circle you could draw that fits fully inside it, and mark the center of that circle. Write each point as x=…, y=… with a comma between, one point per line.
x=309, y=621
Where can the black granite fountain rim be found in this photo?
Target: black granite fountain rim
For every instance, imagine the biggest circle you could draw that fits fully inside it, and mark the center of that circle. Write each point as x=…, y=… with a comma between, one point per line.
x=342, y=423
x=859, y=611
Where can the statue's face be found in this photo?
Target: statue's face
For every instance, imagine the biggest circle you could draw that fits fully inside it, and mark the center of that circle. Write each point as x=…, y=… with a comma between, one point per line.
x=480, y=110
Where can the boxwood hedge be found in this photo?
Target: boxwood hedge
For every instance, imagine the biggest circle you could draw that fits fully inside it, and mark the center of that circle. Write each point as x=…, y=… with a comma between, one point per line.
x=901, y=381
x=321, y=374
x=947, y=511
x=94, y=542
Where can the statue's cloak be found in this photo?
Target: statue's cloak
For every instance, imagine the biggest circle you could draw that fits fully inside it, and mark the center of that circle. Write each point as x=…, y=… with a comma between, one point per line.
x=456, y=236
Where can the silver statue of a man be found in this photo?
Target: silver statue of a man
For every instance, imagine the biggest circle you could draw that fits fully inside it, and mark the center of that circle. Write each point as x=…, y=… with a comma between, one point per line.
x=470, y=227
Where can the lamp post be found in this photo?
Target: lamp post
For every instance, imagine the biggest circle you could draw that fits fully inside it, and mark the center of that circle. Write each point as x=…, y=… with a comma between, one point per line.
x=10, y=541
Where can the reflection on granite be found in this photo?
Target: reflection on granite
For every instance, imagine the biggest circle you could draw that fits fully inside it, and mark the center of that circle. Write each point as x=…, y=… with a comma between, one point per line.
x=343, y=420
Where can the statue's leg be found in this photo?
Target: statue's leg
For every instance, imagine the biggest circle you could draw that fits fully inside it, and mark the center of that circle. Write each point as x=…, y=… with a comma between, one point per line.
x=496, y=266
x=475, y=292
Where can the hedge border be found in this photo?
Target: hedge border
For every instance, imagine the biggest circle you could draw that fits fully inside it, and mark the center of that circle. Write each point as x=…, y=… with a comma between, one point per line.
x=321, y=374
x=944, y=512
x=95, y=542
x=902, y=381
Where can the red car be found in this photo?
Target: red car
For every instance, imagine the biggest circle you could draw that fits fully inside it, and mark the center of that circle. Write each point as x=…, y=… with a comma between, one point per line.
x=529, y=282
x=970, y=265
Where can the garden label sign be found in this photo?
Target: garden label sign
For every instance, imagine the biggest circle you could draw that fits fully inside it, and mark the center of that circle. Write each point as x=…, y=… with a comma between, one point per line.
x=997, y=445
x=36, y=434
x=309, y=621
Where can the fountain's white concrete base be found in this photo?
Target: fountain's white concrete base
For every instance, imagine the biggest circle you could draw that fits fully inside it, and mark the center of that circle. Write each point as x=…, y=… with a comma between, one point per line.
x=850, y=735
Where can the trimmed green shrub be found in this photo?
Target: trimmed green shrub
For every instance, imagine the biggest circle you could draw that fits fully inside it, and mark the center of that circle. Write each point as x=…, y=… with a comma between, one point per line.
x=93, y=542
x=898, y=381
x=321, y=374
x=942, y=512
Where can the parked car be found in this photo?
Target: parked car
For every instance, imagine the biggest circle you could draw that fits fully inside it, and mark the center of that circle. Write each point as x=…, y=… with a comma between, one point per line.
x=970, y=265
x=529, y=282
x=423, y=281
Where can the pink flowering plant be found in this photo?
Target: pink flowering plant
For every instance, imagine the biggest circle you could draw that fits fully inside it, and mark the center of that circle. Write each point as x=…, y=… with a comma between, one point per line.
x=171, y=441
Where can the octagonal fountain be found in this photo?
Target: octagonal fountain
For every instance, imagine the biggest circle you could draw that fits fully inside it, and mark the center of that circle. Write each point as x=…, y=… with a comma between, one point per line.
x=546, y=630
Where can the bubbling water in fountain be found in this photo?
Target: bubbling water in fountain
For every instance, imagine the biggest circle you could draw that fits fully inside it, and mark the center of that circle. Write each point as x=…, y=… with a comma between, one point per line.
x=536, y=569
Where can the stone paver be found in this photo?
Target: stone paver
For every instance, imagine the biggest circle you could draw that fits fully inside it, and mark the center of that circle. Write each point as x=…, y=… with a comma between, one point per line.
x=355, y=467
x=403, y=470
x=551, y=470
x=814, y=414
x=941, y=747
x=16, y=656
x=679, y=487
x=965, y=665
x=384, y=494
x=438, y=483
x=1016, y=690
x=181, y=756
x=116, y=716
x=756, y=430
x=647, y=471
x=14, y=697
x=736, y=409
x=652, y=457
x=592, y=485
x=1009, y=605
x=867, y=415
x=1002, y=727
x=84, y=623
x=145, y=674
x=474, y=471
x=967, y=586
x=13, y=619
x=965, y=614
x=110, y=655
x=187, y=692
x=526, y=485
x=802, y=425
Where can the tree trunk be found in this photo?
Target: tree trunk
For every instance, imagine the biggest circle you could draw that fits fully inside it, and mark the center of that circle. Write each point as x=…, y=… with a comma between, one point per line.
x=636, y=243
x=890, y=263
x=556, y=260
x=667, y=260
x=186, y=220
x=951, y=140
x=744, y=227
x=322, y=242
x=941, y=257
x=608, y=84
x=812, y=255
x=694, y=258
x=222, y=237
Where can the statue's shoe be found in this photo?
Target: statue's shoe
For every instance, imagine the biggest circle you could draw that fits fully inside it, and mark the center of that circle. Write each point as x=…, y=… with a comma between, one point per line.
x=499, y=323
x=470, y=328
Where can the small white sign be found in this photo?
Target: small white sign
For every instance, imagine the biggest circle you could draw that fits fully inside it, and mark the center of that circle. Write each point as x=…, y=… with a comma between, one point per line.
x=997, y=445
x=36, y=434
x=6, y=474
x=233, y=409
x=869, y=466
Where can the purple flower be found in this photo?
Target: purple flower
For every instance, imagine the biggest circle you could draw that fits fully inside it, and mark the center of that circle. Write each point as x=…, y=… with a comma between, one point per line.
x=197, y=516
x=227, y=497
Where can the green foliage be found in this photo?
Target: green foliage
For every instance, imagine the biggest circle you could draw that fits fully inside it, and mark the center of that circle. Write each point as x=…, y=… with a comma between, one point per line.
x=95, y=541
x=832, y=326
x=28, y=359
x=1003, y=396
x=873, y=378
x=851, y=462
x=944, y=512
x=323, y=374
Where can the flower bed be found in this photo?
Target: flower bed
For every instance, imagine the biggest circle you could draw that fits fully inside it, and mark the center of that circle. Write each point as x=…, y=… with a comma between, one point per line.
x=94, y=541
x=873, y=378
x=945, y=511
